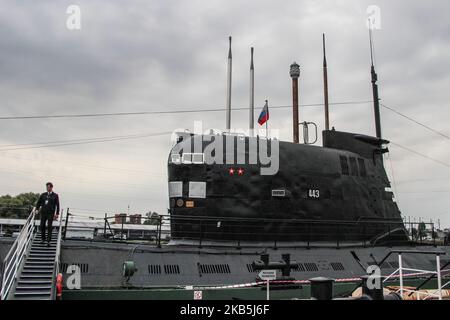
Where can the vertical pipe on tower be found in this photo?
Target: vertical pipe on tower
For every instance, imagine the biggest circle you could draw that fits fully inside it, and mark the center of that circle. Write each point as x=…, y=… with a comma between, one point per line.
x=252, y=94
x=228, y=117
x=295, y=74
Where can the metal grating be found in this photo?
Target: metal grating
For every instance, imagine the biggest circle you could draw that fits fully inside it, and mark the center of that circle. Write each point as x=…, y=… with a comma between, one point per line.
x=344, y=165
x=353, y=166
x=362, y=167
x=299, y=267
x=311, y=266
x=154, y=269
x=337, y=266
x=171, y=269
x=84, y=267
x=214, y=268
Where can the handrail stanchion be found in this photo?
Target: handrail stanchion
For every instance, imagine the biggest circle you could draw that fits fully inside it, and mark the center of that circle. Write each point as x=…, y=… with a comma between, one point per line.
x=400, y=271
x=66, y=223
x=104, y=227
x=159, y=231
x=438, y=270
x=58, y=252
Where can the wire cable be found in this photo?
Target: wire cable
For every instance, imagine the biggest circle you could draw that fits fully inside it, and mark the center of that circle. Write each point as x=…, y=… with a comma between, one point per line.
x=181, y=111
x=86, y=141
x=416, y=122
x=421, y=154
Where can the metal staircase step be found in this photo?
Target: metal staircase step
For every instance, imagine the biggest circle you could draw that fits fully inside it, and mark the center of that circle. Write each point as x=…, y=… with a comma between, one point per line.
x=37, y=272
x=39, y=263
x=41, y=245
x=35, y=276
x=35, y=288
x=40, y=259
x=52, y=251
x=37, y=255
x=38, y=268
x=30, y=282
x=32, y=293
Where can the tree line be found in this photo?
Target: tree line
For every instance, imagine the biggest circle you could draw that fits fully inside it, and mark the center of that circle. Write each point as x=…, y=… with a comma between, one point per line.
x=19, y=206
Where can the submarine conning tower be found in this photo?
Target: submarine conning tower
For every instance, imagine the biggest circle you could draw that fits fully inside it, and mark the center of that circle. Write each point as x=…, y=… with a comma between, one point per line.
x=366, y=146
x=336, y=192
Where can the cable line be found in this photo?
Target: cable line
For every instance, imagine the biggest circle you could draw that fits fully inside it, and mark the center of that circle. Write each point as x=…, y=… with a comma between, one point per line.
x=85, y=115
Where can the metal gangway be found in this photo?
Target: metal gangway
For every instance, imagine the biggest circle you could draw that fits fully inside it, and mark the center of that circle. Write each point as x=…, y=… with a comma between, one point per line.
x=30, y=268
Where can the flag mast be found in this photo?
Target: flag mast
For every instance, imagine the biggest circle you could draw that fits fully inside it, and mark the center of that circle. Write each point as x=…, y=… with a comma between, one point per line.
x=267, y=121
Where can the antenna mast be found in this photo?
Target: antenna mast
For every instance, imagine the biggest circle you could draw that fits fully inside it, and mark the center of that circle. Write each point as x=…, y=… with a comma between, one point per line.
x=325, y=85
x=252, y=94
x=376, y=100
x=230, y=61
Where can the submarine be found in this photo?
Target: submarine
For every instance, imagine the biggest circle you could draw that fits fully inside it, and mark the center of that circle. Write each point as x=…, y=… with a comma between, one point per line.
x=239, y=204
x=339, y=191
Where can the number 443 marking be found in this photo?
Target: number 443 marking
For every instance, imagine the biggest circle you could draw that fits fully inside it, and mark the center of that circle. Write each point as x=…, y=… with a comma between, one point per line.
x=313, y=193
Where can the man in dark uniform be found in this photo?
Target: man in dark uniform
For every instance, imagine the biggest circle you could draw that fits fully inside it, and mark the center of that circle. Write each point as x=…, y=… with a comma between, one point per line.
x=48, y=207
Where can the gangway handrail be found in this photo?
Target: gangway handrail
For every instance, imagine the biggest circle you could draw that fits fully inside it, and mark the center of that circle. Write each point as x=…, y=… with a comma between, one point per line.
x=16, y=255
x=57, y=260
x=431, y=277
x=400, y=271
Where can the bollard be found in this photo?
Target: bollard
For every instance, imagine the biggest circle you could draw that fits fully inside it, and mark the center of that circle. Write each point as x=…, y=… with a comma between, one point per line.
x=321, y=288
x=370, y=288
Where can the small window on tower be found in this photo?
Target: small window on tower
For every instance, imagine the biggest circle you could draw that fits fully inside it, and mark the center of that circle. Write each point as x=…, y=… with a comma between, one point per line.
x=187, y=158
x=344, y=165
x=175, y=189
x=362, y=167
x=197, y=189
x=175, y=158
x=197, y=158
x=353, y=166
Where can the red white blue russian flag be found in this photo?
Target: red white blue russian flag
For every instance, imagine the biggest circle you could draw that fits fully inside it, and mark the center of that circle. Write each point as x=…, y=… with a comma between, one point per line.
x=264, y=115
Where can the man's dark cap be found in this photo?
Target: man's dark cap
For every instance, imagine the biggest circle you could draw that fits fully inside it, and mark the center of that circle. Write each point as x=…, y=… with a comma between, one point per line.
x=49, y=184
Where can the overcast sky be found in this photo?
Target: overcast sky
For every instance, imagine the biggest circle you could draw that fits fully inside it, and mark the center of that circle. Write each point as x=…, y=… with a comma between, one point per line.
x=171, y=55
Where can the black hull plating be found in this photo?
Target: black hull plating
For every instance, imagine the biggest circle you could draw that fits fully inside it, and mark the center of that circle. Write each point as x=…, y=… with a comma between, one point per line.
x=332, y=193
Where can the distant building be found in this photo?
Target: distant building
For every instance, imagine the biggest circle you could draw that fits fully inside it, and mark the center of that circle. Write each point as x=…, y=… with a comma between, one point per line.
x=135, y=219
x=120, y=218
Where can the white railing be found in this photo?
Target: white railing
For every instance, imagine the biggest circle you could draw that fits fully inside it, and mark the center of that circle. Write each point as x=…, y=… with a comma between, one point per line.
x=426, y=294
x=58, y=251
x=16, y=255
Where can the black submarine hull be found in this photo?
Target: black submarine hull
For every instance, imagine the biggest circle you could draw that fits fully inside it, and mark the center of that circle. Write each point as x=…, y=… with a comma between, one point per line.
x=336, y=192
